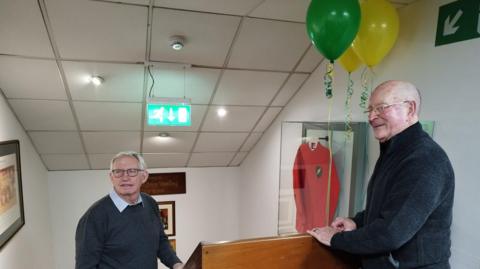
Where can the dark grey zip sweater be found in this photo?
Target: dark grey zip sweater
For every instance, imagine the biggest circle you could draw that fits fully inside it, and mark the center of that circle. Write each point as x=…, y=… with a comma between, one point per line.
x=407, y=219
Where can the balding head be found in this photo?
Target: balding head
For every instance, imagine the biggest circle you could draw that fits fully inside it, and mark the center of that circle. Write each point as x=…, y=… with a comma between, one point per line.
x=398, y=90
x=394, y=106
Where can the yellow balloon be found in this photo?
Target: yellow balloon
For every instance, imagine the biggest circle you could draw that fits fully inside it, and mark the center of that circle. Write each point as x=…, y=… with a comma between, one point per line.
x=378, y=31
x=349, y=60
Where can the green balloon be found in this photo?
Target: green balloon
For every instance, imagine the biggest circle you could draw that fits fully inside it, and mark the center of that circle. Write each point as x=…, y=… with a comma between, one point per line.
x=332, y=25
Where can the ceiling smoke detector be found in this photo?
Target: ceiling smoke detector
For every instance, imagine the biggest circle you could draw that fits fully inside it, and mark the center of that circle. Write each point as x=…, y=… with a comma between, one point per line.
x=177, y=42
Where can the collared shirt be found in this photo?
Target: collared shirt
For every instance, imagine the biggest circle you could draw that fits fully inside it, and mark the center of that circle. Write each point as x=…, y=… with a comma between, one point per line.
x=120, y=203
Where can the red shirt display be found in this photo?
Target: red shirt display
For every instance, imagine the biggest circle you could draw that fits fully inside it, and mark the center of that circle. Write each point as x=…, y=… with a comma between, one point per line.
x=311, y=186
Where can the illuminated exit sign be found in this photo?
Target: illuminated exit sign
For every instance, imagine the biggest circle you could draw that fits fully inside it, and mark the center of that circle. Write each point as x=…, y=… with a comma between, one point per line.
x=168, y=112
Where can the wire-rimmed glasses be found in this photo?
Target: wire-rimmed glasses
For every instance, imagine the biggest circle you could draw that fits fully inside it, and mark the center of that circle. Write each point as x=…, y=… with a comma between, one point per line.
x=131, y=172
x=379, y=109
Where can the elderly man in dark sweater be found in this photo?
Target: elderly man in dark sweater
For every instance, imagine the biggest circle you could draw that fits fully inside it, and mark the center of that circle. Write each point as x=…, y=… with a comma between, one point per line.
x=123, y=230
x=407, y=219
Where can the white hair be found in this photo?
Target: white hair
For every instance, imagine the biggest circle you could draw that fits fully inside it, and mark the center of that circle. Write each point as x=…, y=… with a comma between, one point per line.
x=141, y=162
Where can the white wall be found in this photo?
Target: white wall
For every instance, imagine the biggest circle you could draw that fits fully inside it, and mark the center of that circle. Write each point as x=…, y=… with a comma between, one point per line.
x=207, y=212
x=448, y=77
x=31, y=247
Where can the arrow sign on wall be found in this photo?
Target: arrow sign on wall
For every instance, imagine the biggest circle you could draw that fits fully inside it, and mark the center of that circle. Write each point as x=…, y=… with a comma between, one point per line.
x=458, y=21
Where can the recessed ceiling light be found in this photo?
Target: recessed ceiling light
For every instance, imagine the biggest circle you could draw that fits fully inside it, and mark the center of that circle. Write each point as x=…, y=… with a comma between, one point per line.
x=221, y=112
x=164, y=134
x=96, y=80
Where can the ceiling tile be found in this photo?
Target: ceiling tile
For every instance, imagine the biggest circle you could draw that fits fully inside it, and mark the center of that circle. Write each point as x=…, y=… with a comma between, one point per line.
x=253, y=55
x=196, y=84
x=238, y=159
x=262, y=44
x=210, y=159
x=282, y=10
x=122, y=82
x=251, y=141
x=207, y=36
x=99, y=30
x=267, y=119
x=197, y=115
x=111, y=142
x=57, y=142
x=100, y=161
x=310, y=61
x=211, y=142
x=238, y=87
x=234, y=7
x=160, y=160
x=238, y=119
x=177, y=142
x=108, y=116
x=65, y=161
x=44, y=114
x=22, y=29
x=44, y=81
x=290, y=88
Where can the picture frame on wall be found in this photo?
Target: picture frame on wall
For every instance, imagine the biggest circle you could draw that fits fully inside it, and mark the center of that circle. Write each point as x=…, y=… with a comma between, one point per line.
x=173, y=243
x=12, y=216
x=167, y=214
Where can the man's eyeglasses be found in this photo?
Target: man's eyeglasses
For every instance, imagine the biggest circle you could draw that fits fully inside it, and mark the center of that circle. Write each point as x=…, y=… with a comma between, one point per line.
x=379, y=109
x=132, y=172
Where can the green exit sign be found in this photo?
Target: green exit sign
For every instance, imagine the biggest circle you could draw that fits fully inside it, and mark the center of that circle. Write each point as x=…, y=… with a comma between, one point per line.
x=458, y=21
x=168, y=114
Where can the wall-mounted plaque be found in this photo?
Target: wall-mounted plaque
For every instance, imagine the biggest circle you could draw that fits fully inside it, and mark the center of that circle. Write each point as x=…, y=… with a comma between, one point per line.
x=165, y=183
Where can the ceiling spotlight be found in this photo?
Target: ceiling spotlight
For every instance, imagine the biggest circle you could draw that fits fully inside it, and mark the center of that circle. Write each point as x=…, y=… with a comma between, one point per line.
x=164, y=135
x=221, y=112
x=177, y=42
x=97, y=80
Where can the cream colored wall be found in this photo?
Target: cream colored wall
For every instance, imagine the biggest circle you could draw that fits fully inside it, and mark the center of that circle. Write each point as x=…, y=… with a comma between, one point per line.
x=31, y=247
x=448, y=77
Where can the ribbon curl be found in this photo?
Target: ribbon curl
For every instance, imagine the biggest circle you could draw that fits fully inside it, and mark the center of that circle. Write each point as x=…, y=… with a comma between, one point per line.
x=327, y=81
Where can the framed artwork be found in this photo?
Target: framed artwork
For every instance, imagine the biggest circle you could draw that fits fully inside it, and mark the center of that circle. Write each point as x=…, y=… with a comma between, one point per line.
x=173, y=243
x=167, y=214
x=12, y=217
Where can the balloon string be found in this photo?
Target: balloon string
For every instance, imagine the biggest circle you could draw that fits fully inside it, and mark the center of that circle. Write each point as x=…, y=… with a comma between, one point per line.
x=327, y=81
x=367, y=82
x=348, y=107
x=330, y=139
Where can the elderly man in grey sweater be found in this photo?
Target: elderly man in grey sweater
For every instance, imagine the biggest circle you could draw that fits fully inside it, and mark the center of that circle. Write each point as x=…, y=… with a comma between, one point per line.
x=407, y=219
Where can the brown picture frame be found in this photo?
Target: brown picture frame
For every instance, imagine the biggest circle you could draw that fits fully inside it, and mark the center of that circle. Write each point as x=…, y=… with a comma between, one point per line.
x=12, y=216
x=167, y=215
x=173, y=243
